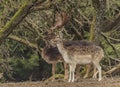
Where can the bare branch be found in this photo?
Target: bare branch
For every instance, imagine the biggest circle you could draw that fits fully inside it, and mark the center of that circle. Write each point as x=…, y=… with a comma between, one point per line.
x=112, y=24
x=27, y=43
x=108, y=41
x=113, y=69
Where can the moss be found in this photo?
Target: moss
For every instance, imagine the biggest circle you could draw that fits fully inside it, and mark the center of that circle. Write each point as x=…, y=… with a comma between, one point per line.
x=92, y=30
x=10, y=25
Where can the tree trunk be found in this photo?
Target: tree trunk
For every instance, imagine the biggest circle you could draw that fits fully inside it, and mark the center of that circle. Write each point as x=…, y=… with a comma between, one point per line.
x=16, y=19
x=99, y=6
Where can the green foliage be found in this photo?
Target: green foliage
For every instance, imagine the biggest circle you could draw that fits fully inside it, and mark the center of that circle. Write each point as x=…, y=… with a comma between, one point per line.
x=60, y=68
x=113, y=7
x=23, y=68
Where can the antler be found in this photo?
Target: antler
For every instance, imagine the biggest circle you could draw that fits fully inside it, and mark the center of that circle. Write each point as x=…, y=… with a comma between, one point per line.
x=60, y=20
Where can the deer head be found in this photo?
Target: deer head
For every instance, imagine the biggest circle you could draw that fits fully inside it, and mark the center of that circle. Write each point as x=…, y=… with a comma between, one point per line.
x=60, y=20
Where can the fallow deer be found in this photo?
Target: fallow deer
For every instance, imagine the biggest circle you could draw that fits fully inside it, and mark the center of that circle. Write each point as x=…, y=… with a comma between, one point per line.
x=73, y=55
x=84, y=54
x=52, y=56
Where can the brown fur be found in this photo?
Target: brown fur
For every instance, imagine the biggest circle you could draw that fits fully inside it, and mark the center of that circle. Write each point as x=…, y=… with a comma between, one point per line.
x=51, y=55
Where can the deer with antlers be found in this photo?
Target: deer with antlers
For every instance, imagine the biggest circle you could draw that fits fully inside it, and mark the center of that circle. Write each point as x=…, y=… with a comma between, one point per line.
x=51, y=54
x=73, y=55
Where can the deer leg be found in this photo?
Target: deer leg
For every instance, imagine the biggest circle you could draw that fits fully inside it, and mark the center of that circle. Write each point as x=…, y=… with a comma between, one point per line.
x=95, y=73
x=66, y=71
x=97, y=65
x=100, y=73
x=73, y=76
x=72, y=72
x=53, y=71
x=77, y=72
x=87, y=71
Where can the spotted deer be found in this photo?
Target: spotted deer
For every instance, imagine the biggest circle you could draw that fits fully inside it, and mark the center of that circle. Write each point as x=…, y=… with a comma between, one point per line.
x=73, y=55
x=52, y=56
x=84, y=54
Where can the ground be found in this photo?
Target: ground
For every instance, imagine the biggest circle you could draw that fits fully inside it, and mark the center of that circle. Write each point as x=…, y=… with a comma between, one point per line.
x=106, y=82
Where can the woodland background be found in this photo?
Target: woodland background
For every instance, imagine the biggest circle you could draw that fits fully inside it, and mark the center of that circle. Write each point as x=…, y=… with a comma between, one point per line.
x=23, y=24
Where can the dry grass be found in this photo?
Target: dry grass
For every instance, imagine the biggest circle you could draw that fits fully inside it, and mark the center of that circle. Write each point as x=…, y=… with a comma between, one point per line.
x=108, y=82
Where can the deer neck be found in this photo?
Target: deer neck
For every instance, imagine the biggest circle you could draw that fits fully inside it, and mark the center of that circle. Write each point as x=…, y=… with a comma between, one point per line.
x=64, y=52
x=61, y=48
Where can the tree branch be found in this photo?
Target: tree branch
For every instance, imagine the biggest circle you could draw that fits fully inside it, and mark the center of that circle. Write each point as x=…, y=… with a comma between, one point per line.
x=111, y=45
x=16, y=19
x=27, y=43
x=112, y=24
x=113, y=69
